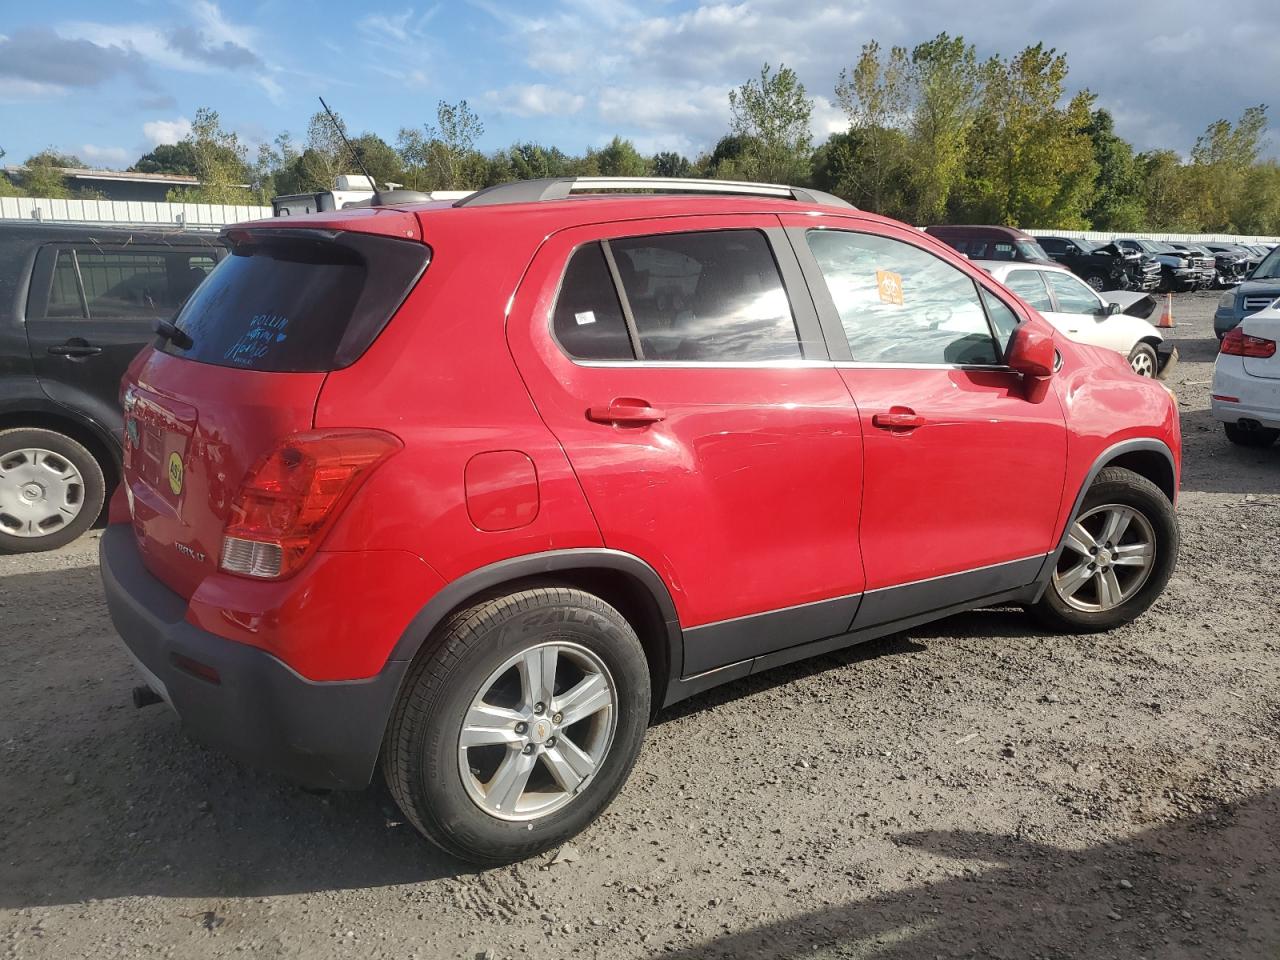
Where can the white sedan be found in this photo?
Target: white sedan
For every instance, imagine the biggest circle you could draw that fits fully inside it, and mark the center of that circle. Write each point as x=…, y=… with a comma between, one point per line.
x=1114, y=320
x=1246, y=380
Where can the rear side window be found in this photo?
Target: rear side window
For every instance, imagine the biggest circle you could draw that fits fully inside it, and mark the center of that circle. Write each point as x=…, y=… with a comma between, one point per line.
x=900, y=304
x=588, y=318
x=102, y=283
x=293, y=304
x=713, y=296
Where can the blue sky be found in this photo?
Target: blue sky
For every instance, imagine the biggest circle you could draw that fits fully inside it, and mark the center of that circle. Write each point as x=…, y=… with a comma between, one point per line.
x=109, y=81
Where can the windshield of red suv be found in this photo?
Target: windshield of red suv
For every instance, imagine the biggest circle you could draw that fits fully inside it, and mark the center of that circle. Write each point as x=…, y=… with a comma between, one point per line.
x=1030, y=250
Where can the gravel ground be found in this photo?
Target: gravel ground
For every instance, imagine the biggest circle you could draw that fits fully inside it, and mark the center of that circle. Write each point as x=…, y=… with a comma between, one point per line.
x=973, y=788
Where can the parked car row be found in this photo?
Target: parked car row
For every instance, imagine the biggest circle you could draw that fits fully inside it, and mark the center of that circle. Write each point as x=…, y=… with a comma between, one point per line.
x=1125, y=263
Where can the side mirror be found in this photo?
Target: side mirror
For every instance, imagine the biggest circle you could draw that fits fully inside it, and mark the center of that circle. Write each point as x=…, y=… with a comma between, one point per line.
x=1110, y=310
x=1031, y=353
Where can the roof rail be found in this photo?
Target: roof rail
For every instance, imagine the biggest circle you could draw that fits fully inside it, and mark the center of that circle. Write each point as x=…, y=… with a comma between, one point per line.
x=559, y=188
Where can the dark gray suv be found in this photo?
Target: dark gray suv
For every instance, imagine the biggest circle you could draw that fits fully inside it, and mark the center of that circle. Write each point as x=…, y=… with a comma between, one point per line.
x=1259, y=290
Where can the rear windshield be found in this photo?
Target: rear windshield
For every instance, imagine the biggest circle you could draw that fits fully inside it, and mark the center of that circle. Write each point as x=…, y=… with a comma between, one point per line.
x=293, y=305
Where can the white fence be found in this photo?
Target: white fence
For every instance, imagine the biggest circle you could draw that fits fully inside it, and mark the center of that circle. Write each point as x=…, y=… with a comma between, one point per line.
x=1107, y=237
x=215, y=215
x=127, y=211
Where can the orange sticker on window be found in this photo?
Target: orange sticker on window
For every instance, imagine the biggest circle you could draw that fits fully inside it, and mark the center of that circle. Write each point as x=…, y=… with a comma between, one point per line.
x=890, y=285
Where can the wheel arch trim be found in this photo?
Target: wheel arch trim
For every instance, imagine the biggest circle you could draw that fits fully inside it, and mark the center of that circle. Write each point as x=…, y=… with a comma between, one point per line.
x=1105, y=459
x=547, y=565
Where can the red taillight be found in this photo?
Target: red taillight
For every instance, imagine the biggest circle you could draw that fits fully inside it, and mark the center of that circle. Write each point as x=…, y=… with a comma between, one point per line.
x=293, y=494
x=1237, y=343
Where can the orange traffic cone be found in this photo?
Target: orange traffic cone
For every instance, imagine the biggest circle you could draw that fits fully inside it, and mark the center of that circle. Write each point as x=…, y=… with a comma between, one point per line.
x=1166, y=318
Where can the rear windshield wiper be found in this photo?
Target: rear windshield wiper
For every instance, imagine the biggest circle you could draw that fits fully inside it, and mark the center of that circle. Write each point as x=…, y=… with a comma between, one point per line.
x=166, y=330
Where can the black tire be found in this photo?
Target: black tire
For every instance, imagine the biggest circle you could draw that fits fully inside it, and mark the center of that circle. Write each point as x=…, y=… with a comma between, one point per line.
x=1261, y=437
x=1143, y=355
x=1097, y=281
x=91, y=490
x=420, y=759
x=1115, y=485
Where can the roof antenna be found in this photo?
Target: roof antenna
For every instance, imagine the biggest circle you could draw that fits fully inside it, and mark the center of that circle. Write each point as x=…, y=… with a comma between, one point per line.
x=377, y=197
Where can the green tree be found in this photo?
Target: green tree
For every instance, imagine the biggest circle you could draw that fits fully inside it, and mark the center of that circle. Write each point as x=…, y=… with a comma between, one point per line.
x=220, y=162
x=7, y=186
x=874, y=95
x=42, y=174
x=1259, y=204
x=841, y=164
x=174, y=158
x=443, y=155
x=1165, y=191
x=619, y=158
x=1029, y=160
x=944, y=85
x=532, y=161
x=1220, y=164
x=772, y=113
x=1117, y=197
x=671, y=164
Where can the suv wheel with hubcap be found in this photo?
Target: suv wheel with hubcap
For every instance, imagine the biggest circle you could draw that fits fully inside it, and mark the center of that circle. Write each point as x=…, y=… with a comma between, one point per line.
x=1118, y=554
x=51, y=490
x=518, y=723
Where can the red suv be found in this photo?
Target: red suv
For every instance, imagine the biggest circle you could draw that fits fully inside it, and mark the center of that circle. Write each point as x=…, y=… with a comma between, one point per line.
x=469, y=491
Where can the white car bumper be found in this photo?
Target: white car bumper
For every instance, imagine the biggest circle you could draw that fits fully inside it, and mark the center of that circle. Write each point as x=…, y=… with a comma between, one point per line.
x=1256, y=398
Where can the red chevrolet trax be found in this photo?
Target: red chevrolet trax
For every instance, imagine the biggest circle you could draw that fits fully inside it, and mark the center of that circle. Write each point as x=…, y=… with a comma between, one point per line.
x=468, y=491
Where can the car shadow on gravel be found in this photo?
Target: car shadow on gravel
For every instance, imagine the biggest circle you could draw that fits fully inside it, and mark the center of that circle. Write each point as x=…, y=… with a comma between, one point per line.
x=1196, y=349
x=99, y=800
x=1204, y=886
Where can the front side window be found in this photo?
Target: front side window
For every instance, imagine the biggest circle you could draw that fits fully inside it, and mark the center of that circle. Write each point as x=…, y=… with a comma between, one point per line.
x=714, y=296
x=1074, y=296
x=1003, y=320
x=900, y=304
x=1030, y=287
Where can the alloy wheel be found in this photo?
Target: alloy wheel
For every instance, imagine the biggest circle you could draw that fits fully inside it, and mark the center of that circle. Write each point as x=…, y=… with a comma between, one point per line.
x=538, y=731
x=40, y=492
x=1110, y=552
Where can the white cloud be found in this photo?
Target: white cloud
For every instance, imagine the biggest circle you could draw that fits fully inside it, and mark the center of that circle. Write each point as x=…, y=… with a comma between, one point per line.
x=534, y=100
x=160, y=132
x=827, y=119
x=17, y=90
x=104, y=156
x=684, y=108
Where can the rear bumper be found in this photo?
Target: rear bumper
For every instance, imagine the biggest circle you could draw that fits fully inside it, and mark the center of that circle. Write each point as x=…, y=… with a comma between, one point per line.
x=260, y=711
x=1257, y=398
